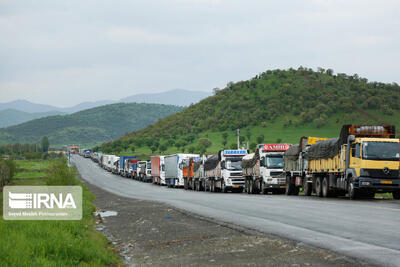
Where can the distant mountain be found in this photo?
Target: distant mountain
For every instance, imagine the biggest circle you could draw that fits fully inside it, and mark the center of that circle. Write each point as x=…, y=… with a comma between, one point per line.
x=27, y=106
x=86, y=105
x=90, y=126
x=9, y=117
x=178, y=97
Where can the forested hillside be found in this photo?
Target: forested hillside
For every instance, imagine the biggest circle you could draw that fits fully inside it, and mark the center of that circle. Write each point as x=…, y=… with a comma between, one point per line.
x=89, y=126
x=277, y=105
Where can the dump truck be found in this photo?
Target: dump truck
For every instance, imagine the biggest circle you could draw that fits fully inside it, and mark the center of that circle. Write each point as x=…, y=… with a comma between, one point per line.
x=174, y=169
x=188, y=172
x=123, y=169
x=295, y=166
x=199, y=178
x=158, y=170
x=364, y=160
x=263, y=170
x=224, y=171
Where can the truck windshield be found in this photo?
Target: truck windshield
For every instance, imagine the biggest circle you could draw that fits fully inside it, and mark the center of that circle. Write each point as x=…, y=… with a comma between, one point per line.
x=148, y=165
x=380, y=150
x=274, y=162
x=234, y=164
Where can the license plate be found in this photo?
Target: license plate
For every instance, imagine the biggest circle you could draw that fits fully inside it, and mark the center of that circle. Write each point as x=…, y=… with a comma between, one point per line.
x=235, y=186
x=386, y=182
x=283, y=186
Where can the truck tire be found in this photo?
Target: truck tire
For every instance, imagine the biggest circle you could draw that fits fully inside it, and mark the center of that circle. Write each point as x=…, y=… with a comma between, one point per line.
x=185, y=184
x=353, y=192
x=223, y=187
x=318, y=186
x=396, y=195
x=307, y=187
x=212, y=186
x=325, y=187
x=251, y=187
x=289, y=186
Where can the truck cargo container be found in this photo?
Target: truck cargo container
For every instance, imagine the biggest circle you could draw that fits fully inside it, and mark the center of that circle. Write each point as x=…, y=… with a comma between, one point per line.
x=364, y=160
x=158, y=170
x=174, y=167
x=296, y=165
x=224, y=171
x=263, y=170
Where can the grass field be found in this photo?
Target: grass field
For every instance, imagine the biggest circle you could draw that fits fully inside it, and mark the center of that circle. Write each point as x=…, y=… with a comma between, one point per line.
x=52, y=243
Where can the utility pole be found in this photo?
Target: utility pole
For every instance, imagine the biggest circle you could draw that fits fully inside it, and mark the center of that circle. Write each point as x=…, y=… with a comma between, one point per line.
x=238, y=138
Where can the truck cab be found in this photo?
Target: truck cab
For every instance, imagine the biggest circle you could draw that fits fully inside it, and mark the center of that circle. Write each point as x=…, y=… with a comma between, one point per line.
x=271, y=167
x=231, y=169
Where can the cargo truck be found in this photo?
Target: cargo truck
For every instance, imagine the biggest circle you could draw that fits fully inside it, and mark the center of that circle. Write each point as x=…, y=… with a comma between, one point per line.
x=174, y=169
x=188, y=172
x=199, y=179
x=144, y=171
x=224, y=171
x=115, y=165
x=124, y=161
x=158, y=170
x=263, y=170
x=364, y=160
x=295, y=166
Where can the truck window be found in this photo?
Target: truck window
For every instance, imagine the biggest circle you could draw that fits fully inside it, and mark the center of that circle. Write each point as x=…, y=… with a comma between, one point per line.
x=353, y=150
x=358, y=151
x=163, y=167
x=274, y=162
x=381, y=150
x=233, y=164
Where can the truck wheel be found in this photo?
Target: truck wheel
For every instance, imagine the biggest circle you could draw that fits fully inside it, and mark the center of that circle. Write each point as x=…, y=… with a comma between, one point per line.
x=223, y=189
x=325, y=187
x=396, y=195
x=289, y=186
x=251, y=187
x=353, y=192
x=307, y=187
x=318, y=187
x=212, y=186
x=185, y=184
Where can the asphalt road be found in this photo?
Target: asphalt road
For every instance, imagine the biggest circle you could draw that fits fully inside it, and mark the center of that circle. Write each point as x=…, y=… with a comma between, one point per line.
x=366, y=229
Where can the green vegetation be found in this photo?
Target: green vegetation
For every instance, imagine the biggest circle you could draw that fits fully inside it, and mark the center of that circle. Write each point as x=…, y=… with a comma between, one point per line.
x=53, y=243
x=274, y=106
x=7, y=171
x=90, y=126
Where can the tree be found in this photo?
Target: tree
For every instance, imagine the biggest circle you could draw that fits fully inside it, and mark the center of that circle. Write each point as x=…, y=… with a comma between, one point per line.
x=205, y=142
x=278, y=140
x=45, y=144
x=248, y=134
x=191, y=149
x=260, y=138
x=224, y=139
x=163, y=147
x=233, y=146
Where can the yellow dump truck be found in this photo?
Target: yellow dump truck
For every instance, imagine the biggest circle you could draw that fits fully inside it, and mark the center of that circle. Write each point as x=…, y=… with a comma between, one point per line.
x=364, y=160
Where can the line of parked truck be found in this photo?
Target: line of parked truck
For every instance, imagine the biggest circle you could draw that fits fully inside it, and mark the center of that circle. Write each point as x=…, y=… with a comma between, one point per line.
x=363, y=161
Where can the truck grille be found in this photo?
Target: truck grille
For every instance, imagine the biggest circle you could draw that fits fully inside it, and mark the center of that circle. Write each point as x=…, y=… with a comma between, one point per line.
x=379, y=173
x=236, y=174
x=237, y=181
x=275, y=174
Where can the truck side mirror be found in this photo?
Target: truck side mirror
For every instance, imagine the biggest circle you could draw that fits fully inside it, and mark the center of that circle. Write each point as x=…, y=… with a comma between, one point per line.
x=262, y=162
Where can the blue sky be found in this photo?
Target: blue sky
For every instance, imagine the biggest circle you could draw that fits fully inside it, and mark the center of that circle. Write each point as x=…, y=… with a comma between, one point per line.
x=66, y=52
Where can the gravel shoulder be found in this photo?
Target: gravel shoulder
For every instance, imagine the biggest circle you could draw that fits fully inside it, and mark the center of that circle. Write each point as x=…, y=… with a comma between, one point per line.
x=152, y=233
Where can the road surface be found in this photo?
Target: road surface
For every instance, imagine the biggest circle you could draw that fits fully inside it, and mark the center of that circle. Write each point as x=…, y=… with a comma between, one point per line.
x=365, y=229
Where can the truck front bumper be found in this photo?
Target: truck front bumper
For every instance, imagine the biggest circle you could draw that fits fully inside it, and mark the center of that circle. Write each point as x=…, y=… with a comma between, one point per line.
x=378, y=184
x=274, y=186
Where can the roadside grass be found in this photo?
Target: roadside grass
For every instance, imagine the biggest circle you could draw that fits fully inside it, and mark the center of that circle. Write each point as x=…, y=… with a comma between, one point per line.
x=54, y=243
x=32, y=168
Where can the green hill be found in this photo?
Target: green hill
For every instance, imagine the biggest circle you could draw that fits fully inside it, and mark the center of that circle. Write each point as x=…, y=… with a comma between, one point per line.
x=91, y=126
x=277, y=105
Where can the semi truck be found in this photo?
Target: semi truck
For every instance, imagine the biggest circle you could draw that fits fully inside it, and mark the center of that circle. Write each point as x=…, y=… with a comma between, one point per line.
x=295, y=166
x=364, y=160
x=263, y=170
x=115, y=164
x=174, y=169
x=188, y=172
x=123, y=168
x=223, y=172
x=144, y=171
x=158, y=170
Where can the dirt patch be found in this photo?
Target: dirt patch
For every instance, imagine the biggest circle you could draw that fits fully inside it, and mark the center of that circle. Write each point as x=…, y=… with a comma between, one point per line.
x=151, y=233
